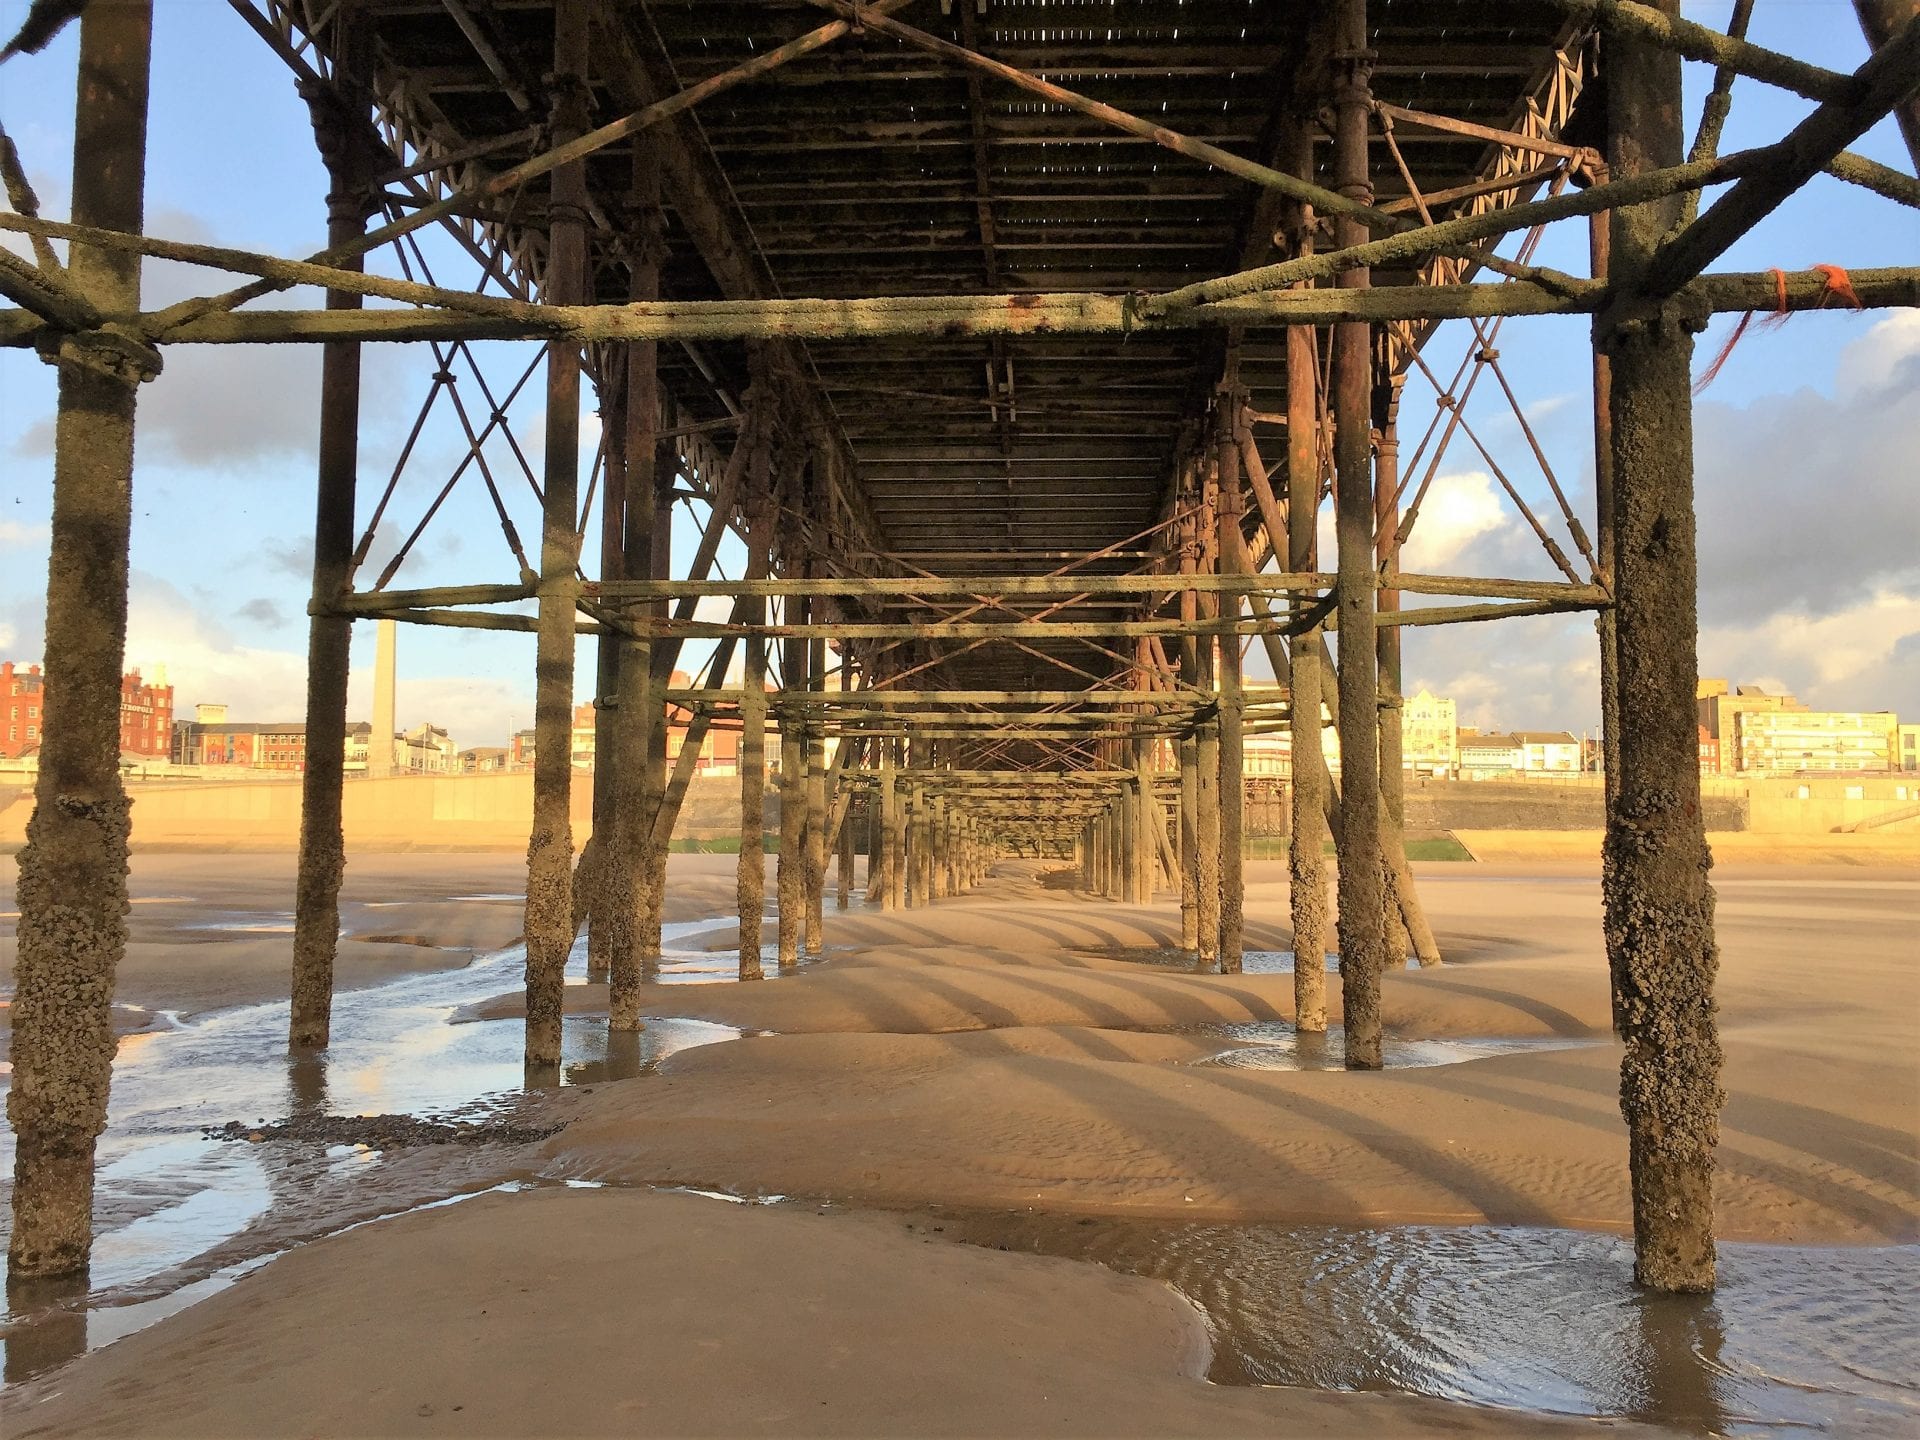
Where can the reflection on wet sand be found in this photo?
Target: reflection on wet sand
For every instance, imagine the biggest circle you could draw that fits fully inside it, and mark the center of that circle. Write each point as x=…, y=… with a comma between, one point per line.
x=46, y=1325
x=1527, y=1318
x=1276, y=1045
x=167, y=1193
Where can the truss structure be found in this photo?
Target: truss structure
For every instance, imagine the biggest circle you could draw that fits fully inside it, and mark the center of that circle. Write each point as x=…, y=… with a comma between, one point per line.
x=1022, y=346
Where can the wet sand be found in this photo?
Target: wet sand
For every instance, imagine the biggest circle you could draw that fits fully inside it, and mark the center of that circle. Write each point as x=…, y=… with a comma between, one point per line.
x=994, y=1054
x=572, y=1312
x=942, y=1057
x=211, y=931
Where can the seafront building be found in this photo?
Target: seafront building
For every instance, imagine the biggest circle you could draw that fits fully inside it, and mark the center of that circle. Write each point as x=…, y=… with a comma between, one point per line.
x=1764, y=732
x=146, y=712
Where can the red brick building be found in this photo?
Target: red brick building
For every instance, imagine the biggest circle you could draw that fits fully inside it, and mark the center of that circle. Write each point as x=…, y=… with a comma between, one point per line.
x=209, y=740
x=1709, y=753
x=22, y=693
x=146, y=717
x=146, y=713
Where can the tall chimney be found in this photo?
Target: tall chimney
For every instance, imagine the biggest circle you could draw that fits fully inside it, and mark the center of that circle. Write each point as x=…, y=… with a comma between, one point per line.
x=380, y=736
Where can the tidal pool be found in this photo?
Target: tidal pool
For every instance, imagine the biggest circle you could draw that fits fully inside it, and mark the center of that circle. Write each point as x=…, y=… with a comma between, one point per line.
x=1276, y=1045
x=1796, y=1338
x=166, y=1193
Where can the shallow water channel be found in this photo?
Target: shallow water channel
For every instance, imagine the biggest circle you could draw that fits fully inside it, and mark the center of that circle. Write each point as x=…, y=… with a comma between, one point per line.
x=1537, y=1319
x=167, y=1193
x=1796, y=1338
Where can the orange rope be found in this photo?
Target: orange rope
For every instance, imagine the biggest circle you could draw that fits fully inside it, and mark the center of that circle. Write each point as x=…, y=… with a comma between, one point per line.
x=1838, y=283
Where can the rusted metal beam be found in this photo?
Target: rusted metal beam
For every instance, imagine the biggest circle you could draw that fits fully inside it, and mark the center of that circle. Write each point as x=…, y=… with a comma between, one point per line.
x=1658, y=25
x=907, y=317
x=570, y=152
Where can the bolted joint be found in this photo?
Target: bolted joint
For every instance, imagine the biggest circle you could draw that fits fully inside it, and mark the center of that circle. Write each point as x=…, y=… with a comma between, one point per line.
x=345, y=148
x=109, y=352
x=569, y=105
x=352, y=204
x=1634, y=319
x=1351, y=72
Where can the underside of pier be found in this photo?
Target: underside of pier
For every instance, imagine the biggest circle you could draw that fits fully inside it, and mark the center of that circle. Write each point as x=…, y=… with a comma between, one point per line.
x=1022, y=346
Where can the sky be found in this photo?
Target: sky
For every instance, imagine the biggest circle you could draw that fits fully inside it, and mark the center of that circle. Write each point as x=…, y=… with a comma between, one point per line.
x=1807, y=444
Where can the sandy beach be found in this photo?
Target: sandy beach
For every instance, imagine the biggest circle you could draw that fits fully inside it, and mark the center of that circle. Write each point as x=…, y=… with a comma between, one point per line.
x=1014, y=1052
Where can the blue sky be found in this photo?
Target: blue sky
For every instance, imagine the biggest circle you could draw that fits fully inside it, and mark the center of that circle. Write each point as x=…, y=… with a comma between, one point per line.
x=1810, y=546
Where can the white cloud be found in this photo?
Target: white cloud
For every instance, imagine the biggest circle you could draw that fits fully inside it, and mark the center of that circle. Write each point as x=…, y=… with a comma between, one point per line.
x=205, y=662
x=1855, y=659
x=1872, y=363
x=17, y=532
x=1458, y=509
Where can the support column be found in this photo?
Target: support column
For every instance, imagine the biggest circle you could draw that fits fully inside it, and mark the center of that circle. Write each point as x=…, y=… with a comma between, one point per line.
x=631, y=872
x=1362, y=893
x=942, y=848
x=660, y=477
x=750, y=882
x=816, y=854
x=1189, y=757
x=885, y=851
x=843, y=857
x=597, y=890
x=1145, y=849
x=1207, y=746
x=1110, y=849
x=844, y=851
x=323, y=859
x=898, y=855
x=1658, y=904
x=1307, y=784
x=1599, y=249
x=73, y=871
x=790, y=867
x=1189, y=748
x=1232, y=774
x=919, y=848
x=1396, y=944
x=549, y=918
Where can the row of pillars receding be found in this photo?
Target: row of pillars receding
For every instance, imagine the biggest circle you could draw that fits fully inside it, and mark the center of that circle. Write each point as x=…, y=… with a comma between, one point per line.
x=924, y=843
x=73, y=871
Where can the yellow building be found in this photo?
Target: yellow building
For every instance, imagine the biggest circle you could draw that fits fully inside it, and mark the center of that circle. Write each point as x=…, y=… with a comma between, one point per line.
x=1720, y=711
x=1781, y=742
x=1429, y=735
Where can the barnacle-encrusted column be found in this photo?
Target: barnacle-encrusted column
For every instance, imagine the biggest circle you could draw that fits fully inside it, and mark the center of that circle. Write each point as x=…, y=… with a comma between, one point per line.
x=73, y=871
x=750, y=882
x=1362, y=889
x=1207, y=738
x=1232, y=761
x=1307, y=784
x=1186, y=536
x=884, y=856
x=631, y=875
x=549, y=919
x=790, y=865
x=1658, y=904
x=817, y=815
x=339, y=113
